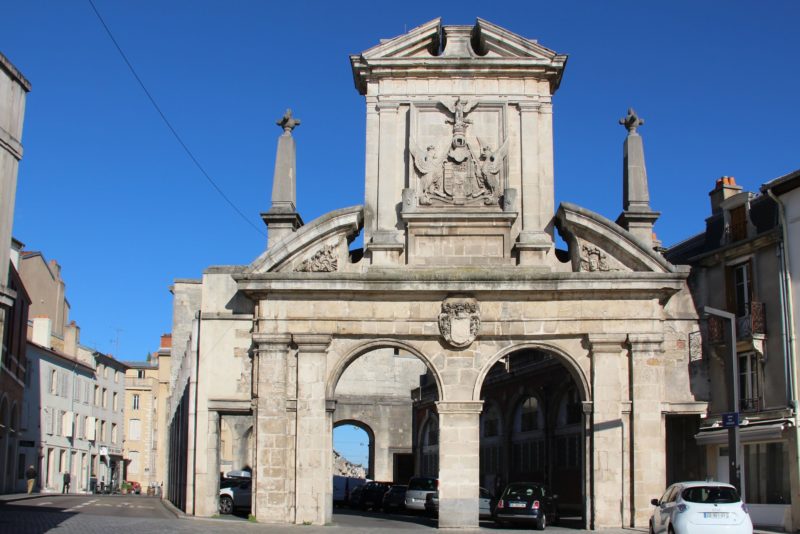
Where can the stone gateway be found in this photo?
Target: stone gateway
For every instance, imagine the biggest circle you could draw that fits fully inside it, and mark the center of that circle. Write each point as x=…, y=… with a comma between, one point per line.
x=470, y=347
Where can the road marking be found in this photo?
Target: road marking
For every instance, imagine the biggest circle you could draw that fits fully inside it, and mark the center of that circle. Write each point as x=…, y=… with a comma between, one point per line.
x=44, y=503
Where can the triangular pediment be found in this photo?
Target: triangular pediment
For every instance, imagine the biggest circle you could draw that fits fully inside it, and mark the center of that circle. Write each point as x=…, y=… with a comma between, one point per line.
x=422, y=41
x=494, y=41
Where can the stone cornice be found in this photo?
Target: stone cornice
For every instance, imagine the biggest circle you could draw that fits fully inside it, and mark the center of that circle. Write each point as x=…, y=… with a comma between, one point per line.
x=535, y=282
x=459, y=407
x=607, y=342
x=311, y=342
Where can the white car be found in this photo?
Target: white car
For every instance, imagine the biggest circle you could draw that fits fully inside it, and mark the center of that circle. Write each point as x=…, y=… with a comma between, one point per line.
x=700, y=508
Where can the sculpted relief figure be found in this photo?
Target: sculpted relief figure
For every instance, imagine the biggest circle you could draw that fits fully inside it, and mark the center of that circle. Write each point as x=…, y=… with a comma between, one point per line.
x=490, y=164
x=460, y=170
x=429, y=163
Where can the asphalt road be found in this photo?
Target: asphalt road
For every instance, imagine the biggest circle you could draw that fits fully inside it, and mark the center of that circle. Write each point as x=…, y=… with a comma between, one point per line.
x=137, y=514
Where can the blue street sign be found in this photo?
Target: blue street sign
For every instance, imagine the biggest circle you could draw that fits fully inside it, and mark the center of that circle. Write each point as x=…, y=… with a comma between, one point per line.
x=730, y=420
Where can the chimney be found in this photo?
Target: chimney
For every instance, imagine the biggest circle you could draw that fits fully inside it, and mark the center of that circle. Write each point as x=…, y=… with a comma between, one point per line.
x=725, y=188
x=41, y=331
x=166, y=341
x=282, y=218
x=72, y=335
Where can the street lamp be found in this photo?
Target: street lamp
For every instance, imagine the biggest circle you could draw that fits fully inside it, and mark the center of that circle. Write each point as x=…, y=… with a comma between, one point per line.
x=731, y=420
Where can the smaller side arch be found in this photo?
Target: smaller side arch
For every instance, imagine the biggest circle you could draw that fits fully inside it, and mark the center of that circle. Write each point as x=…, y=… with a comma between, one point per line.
x=370, y=435
x=584, y=388
x=344, y=362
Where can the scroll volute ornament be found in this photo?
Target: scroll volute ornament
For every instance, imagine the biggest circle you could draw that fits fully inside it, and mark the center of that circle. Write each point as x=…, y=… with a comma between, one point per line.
x=460, y=321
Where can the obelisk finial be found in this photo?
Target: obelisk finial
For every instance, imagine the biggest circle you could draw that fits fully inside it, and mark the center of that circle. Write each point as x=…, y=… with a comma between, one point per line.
x=631, y=122
x=288, y=123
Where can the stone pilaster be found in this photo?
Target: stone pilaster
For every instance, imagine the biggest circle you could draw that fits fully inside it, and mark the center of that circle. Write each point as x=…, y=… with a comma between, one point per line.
x=371, y=169
x=459, y=463
x=387, y=241
x=313, y=448
x=272, y=476
x=608, y=374
x=212, y=464
x=649, y=452
x=536, y=142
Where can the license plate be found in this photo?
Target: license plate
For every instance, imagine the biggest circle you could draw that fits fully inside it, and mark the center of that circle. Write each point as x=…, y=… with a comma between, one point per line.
x=715, y=515
x=516, y=505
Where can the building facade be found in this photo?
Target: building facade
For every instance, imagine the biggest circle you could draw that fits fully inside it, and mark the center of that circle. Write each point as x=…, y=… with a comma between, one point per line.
x=141, y=422
x=739, y=266
x=14, y=301
x=460, y=270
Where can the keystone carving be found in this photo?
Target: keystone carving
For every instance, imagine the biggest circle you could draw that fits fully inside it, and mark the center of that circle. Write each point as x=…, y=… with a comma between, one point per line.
x=324, y=260
x=460, y=321
x=594, y=259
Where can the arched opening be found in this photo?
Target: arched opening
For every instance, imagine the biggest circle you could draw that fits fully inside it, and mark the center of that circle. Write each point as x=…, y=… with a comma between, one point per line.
x=353, y=449
x=386, y=389
x=532, y=429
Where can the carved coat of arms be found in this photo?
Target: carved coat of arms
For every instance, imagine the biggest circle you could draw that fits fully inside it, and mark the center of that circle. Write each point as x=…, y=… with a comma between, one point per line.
x=459, y=170
x=460, y=321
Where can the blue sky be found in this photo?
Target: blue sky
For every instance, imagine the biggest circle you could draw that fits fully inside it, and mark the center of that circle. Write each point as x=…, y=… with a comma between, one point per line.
x=106, y=190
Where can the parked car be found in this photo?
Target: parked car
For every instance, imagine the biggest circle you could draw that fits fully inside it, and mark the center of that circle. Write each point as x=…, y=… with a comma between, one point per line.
x=354, y=500
x=527, y=502
x=372, y=494
x=342, y=488
x=700, y=507
x=236, y=497
x=484, y=504
x=418, y=490
x=395, y=498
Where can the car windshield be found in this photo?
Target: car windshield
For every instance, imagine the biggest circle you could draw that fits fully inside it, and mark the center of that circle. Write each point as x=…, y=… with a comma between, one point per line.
x=523, y=491
x=711, y=494
x=424, y=484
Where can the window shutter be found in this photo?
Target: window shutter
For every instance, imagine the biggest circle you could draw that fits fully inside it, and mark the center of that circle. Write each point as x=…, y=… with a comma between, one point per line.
x=91, y=430
x=730, y=290
x=48, y=420
x=60, y=423
x=70, y=417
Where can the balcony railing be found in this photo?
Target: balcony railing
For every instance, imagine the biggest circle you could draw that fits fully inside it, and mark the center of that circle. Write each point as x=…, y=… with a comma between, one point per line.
x=746, y=326
x=749, y=405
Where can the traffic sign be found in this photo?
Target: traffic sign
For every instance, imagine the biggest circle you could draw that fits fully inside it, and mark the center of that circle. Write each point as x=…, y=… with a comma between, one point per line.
x=730, y=420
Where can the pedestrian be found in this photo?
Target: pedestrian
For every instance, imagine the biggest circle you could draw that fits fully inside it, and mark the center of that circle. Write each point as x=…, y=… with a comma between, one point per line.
x=66, y=483
x=30, y=475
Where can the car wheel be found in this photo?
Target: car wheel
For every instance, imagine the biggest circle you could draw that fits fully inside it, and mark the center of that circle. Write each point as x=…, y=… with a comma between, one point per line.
x=225, y=505
x=542, y=524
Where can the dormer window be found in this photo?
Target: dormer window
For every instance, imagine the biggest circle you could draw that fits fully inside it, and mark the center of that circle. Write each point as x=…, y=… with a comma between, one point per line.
x=738, y=223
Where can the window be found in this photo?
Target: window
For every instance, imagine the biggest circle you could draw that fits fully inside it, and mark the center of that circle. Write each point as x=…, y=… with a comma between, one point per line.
x=740, y=289
x=105, y=398
x=54, y=382
x=102, y=431
x=97, y=395
x=105, y=373
x=134, y=429
x=766, y=470
x=135, y=401
x=140, y=373
x=86, y=427
x=113, y=433
x=116, y=377
x=114, y=404
x=748, y=381
x=529, y=416
x=738, y=228
x=99, y=370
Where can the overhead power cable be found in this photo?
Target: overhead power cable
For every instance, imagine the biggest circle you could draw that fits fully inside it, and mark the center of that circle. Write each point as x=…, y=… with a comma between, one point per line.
x=169, y=125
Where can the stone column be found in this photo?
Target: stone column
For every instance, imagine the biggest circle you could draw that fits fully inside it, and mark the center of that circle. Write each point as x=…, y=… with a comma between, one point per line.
x=272, y=502
x=314, y=454
x=649, y=448
x=535, y=239
x=387, y=243
x=609, y=389
x=459, y=463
